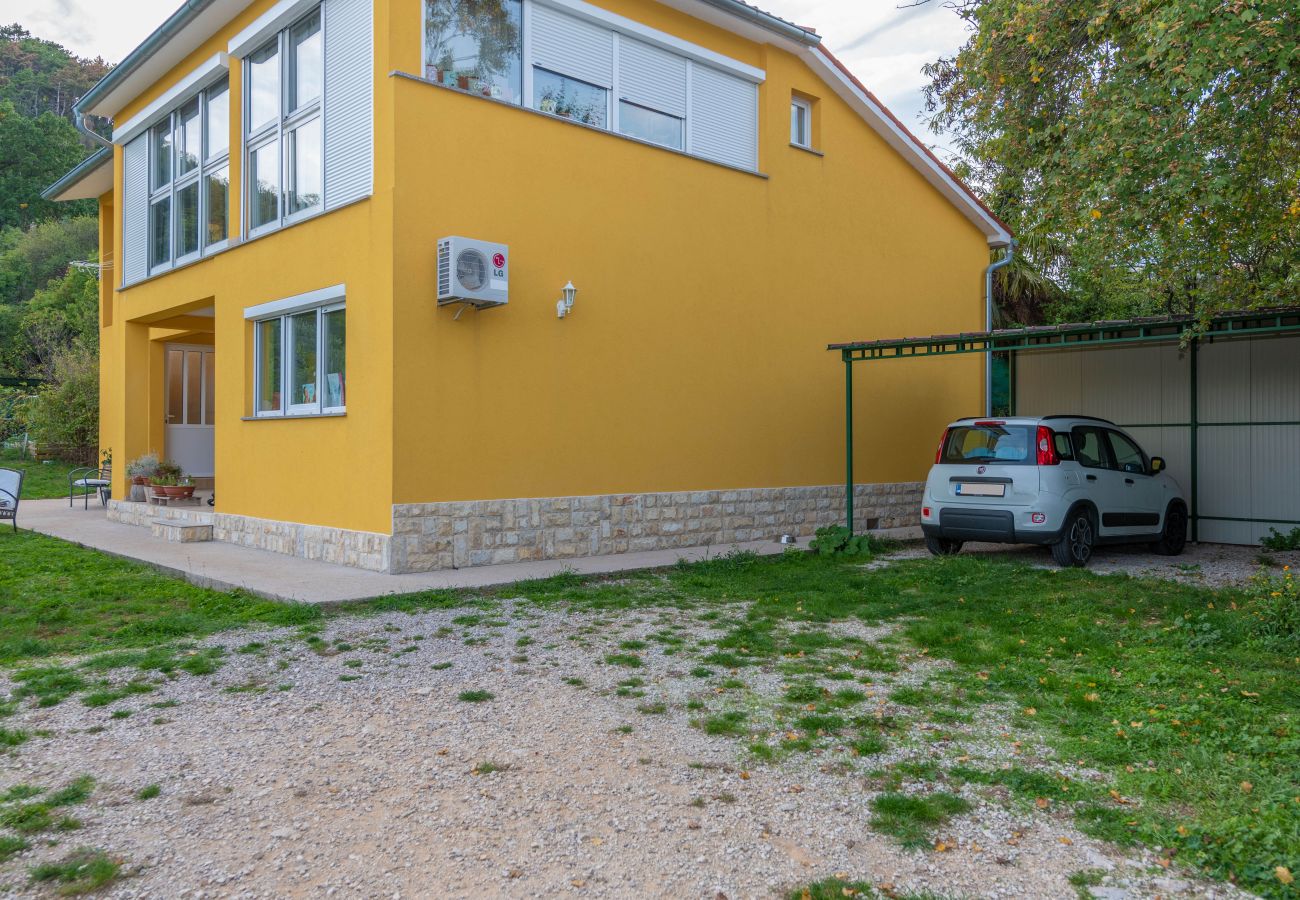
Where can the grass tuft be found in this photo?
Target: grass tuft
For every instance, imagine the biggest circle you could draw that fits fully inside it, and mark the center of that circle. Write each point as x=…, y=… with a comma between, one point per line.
x=475, y=696
x=911, y=818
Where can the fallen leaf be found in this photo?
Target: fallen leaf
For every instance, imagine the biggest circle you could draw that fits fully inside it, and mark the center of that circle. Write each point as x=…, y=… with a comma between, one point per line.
x=1284, y=874
x=1065, y=840
x=1092, y=698
x=744, y=776
x=596, y=842
x=1247, y=787
x=1042, y=802
x=1030, y=711
x=940, y=847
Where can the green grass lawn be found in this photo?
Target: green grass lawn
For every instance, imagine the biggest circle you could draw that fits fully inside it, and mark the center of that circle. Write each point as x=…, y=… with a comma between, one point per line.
x=1168, y=690
x=43, y=480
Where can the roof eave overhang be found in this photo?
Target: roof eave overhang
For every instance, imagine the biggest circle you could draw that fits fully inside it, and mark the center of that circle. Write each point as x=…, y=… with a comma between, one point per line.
x=896, y=134
x=91, y=178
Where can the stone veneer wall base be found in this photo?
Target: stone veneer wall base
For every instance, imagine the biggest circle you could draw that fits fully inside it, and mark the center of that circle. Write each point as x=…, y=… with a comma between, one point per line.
x=431, y=536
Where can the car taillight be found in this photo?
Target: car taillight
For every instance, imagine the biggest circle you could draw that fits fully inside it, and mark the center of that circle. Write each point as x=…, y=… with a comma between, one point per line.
x=1047, y=455
x=925, y=512
x=938, y=453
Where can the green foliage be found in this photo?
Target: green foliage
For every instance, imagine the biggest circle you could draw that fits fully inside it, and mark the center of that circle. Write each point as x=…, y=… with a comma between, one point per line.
x=60, y=315
x=80, y=872
x=1276, y=540
x=475, y=696
x=37, y=152
x=65, y=411
x=1274, y=603
x=30, y=258
x=44, y=479
x=912, y=818
x=1145, y=151
x=837, y=540
x=41, y=76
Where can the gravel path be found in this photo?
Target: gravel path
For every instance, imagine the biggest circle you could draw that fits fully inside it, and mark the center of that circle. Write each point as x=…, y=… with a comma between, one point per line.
x=280, y=779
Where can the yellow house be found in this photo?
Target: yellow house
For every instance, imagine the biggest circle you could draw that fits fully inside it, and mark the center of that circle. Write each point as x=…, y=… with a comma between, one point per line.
x=336, y=237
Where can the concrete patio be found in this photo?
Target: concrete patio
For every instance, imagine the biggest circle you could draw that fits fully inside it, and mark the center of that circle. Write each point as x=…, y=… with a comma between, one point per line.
x=280, y=577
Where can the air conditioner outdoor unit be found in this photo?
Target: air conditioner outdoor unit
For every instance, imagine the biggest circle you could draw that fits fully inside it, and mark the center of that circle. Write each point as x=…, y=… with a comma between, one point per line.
x=473, y=272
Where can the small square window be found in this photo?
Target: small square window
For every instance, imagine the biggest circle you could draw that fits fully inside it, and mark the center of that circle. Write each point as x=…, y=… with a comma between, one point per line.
x=800, y=123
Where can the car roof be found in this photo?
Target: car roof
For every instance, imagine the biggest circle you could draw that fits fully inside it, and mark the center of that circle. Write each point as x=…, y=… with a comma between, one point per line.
x=1033, y=420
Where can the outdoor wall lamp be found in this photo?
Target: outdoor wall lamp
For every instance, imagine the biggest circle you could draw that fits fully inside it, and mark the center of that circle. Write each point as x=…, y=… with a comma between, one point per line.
x=564, y=305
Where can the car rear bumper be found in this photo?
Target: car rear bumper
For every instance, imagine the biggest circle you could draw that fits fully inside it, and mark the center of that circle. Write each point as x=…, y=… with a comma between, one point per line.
x=994, y=526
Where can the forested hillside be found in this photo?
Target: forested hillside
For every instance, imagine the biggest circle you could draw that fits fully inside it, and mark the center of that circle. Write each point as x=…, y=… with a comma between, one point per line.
x=48, y=251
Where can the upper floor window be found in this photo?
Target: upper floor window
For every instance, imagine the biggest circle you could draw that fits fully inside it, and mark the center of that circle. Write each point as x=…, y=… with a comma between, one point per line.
x=285, y=79
x=801, y=123
x=189, y=179
x=598, y=69
x=475, y=45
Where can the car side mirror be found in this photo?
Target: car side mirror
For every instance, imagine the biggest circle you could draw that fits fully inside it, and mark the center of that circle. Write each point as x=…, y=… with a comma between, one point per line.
x=1157, y=465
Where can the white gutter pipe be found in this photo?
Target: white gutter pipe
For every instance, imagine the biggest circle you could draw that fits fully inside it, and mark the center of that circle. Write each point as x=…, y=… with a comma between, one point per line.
x=988, y=323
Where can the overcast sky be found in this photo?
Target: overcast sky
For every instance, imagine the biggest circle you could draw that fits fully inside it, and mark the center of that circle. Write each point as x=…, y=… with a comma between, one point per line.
x=883, y=44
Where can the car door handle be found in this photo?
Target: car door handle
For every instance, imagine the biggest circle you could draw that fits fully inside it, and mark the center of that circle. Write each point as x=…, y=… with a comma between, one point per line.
x=1128, y=480
x=1092, y=477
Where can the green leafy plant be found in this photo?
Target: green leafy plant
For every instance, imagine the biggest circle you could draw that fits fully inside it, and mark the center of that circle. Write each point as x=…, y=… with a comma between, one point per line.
x=1274, y=602
x=1276, y=540
x=145, y=466
x=837, y=540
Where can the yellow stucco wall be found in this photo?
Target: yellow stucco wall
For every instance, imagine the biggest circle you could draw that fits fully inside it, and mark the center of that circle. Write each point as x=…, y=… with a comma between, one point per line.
x=694, y=357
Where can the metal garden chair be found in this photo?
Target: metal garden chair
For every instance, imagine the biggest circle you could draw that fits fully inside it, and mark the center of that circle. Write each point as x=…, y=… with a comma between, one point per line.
x=11, y=491
x=89, y=480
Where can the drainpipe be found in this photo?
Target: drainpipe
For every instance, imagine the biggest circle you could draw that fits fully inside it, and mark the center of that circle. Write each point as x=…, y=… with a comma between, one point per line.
x=988, y=323
x=79, y=119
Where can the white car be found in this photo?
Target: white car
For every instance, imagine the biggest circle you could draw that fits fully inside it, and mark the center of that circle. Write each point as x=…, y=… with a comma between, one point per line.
x=1067, y=482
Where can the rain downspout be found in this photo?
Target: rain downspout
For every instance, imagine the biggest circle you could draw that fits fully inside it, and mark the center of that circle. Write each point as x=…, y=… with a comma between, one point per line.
x=988, y=323
x=79, y=119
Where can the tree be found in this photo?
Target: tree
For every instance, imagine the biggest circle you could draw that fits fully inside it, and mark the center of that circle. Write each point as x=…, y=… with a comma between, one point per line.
x=30, y=259
x=1148, y=150
x=41, y=76
x=34, y=153
x=64, y=414
x=62, y=314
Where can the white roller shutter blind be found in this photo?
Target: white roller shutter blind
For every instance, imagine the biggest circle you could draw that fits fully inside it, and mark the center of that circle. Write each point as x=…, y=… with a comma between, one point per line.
x=724, y=117
x=349, y=101
x=135, y=210
x=572, y=47
x=648, y=76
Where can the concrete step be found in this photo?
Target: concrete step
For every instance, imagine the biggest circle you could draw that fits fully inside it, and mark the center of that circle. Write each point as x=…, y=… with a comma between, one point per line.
x=180, y=532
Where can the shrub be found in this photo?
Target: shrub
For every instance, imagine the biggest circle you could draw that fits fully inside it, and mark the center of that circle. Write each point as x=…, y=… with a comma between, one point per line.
x=1276, y=540
x=64, y=414
x=837, y=540
x=1275, y=605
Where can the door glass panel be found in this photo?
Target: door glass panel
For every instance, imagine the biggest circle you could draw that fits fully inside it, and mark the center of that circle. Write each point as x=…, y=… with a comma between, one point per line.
x=302, y=367
x=187, y=219
x=305, y=162
x=218, y=120
x=209, y=386
x=1128, y=455
x=160, y=226
x=263, y=86
x=218, y=190
x=193, y=387
x=265, y=179
x=1087, y=448
x=268, y=365
x=175, y=387
x=335, y=386
x=187, y=138
x=305, y=42
x=160, y=153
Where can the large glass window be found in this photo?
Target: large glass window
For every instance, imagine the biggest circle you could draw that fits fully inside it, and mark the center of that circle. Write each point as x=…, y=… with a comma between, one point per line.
x=560, y=95
x=301, y=362
x=475, y=45
x=285, y=158
x=650, y=125
x=188, y=178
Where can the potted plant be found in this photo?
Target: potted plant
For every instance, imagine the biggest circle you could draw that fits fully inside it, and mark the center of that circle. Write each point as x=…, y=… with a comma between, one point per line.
x=140, y=470
x=166, y=477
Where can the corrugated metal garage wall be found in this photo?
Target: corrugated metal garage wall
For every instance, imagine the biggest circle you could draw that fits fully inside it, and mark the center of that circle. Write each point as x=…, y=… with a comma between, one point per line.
x=1248, y=435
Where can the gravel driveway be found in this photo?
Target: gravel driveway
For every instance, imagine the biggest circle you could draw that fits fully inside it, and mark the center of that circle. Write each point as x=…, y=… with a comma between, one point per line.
x=344, y=764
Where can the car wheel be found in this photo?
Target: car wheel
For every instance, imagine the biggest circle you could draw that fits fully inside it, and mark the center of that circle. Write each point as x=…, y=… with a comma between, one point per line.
x=942, y=546
x=1174, y=537
x=1074, y=549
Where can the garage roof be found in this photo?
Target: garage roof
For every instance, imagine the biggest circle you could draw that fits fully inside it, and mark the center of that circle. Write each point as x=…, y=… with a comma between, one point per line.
x=1148, y=330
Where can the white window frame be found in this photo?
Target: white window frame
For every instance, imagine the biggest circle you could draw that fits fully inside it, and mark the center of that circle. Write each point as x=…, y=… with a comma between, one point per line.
x=322, y=302
x=617, y=25
x=799, y=103
x=197, y=176
x=286, y=122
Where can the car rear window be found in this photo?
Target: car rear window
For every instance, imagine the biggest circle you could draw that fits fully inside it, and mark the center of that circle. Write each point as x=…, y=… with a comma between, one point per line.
x=986, y=443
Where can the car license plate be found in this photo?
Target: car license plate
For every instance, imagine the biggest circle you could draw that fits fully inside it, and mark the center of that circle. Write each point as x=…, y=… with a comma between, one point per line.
x=980, y=489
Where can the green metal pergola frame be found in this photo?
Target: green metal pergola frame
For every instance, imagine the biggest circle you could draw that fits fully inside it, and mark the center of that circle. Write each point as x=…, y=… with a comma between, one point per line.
x=1077, y=336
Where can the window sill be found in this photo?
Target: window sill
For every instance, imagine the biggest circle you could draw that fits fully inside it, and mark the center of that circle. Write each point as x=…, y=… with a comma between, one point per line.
x=554, y=118
x=807, y=150
x=278, y=418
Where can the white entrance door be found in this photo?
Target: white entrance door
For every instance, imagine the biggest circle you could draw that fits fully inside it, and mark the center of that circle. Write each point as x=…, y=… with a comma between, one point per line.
x=189, y=431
